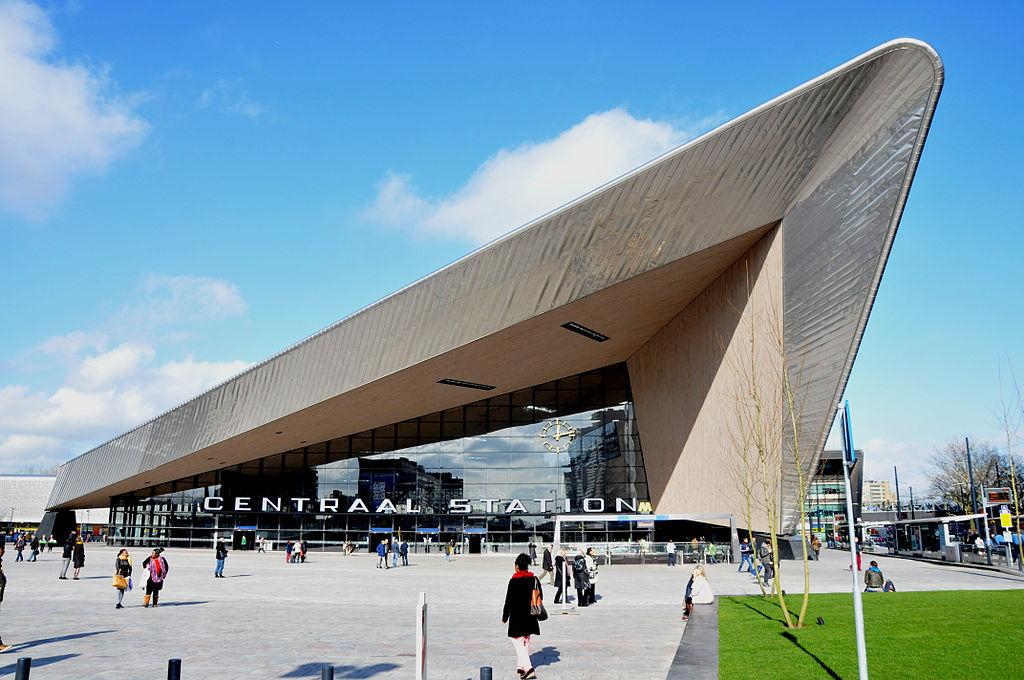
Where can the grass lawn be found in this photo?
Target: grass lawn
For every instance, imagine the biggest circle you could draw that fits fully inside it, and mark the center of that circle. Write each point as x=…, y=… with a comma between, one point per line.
x=948, y=634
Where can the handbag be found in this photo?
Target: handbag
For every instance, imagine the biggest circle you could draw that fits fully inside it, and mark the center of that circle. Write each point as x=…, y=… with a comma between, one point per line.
x=536, y=603
x=119, y=582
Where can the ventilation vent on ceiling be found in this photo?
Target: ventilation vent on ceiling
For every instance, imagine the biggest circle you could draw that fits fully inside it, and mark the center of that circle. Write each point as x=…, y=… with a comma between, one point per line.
x=463, y=383
x=584, y=331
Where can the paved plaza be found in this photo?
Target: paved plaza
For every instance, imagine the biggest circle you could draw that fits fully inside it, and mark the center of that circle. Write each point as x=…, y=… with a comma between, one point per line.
x=269, y=619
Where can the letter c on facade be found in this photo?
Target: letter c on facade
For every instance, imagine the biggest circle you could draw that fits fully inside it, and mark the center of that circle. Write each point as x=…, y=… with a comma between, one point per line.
x=208, y=503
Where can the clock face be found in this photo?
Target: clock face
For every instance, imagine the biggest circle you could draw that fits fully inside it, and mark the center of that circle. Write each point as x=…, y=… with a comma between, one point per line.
x=557, y=435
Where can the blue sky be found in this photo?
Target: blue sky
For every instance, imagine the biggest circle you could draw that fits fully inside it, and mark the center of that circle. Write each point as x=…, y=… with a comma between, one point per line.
x=186, y=188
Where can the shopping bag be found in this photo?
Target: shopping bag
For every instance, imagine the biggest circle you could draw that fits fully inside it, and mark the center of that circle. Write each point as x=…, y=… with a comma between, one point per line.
x=536, y=604
x=119, y=582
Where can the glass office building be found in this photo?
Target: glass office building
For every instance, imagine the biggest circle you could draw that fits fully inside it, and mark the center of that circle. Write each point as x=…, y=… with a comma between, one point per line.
x=453, y=475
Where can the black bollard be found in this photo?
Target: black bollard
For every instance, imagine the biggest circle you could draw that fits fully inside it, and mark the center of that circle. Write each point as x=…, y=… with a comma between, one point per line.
x=24, y=668
x=486, y=673
x=327, y=673
x=174, y=669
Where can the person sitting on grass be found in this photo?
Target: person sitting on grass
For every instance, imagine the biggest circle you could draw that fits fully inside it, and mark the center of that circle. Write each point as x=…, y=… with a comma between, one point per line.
x=873, y=579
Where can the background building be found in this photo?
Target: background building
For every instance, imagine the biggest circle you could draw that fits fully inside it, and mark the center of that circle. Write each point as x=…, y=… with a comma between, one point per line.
x=23, y=500
x=826, y=496
x=879, y=495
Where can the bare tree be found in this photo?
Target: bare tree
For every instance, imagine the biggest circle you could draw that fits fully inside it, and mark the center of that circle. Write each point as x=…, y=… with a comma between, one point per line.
x=1010, y=420
x=948, y=473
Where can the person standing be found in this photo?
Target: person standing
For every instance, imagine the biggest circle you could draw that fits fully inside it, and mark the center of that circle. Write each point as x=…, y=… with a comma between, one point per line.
x=122, y=574
x=244, y=542
x=78, y=557
x=382, y=554
x=533, y=553
x=547, y=565
x=50, y=542
x=221, y=554
x=260, y=545
x=288, y=552
x=518, y=614
x=303, y=547
x=816, y=547
x=157, y=565
x=394, y=554
x=579, y=574
x=19, y=547
x=765, y=554
x=405, y=553
x=591, y=576
x=34, y=546
x=712, y=553
x=670, y=553
x=562, y=572
x=69, y=549
x=3, y=586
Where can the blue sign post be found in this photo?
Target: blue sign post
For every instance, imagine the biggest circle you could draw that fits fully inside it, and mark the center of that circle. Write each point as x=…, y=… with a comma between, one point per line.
x=849, y=459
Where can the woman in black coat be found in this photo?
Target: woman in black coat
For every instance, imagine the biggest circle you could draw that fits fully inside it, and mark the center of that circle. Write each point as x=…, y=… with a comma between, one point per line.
x=521, y=622
x=78, y=555
x=122, y=568
x=562, y=570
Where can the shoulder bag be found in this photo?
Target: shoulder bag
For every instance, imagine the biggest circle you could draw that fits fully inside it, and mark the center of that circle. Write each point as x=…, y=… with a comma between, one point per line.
x=536, y=603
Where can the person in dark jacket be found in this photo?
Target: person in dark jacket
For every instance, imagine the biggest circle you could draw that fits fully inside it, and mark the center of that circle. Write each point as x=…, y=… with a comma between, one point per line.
x=404, y=551
x=582, y=578
x=562, y=571
x=69, y=549
x=122, y=568
x=547, y=565
x=78, y=557
x=516, y=613
x=221, y=554
x=533, y=552
x=34, y=544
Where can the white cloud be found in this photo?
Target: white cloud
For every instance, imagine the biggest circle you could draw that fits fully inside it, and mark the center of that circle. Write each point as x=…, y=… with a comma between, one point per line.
x=910, y=458
x=174, y=299
x=517, y=185
x=57, y=119
x=228, y=97
x=115, y=378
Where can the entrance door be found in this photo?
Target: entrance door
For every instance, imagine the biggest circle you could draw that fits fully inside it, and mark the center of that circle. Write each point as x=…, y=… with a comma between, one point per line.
x=474, y=544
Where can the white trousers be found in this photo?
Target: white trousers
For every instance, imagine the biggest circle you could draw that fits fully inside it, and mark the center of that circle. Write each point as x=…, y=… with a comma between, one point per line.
x=522, y=647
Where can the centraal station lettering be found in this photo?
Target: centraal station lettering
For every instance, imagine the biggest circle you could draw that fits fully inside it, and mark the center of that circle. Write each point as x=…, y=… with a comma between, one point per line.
x=456, y=506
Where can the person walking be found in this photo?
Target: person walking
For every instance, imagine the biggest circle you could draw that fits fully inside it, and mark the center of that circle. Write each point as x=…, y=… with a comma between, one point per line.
x=3, y=586
x=712, y=553
x=562, y=572
x=394, y=554
x=547, y=565
x=288, y=552
x=404, y=550
x=591, y=559
x=746, y=557
x=533, y=553
x=50, y=542
x=670, y=553
x=221, y=554
x=303, y=547
x=19, y=547
x=69, y=549
x=260, y=545
x=579, y=574
x=122, y=575
x=157, y=566
x=816, y=546
x=765, y=554
x=382, y=554
x=244, y=542
x=518, y=613
x=34, y=546
x=78, y=557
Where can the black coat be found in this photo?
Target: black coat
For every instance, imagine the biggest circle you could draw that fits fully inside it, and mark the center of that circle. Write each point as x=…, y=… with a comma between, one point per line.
x=546, y=560
x=68, y=549
x=561, y=569
x=122, y=567
x=221, y=551
x=579, y=572
x=79, y=556
x=517, y=607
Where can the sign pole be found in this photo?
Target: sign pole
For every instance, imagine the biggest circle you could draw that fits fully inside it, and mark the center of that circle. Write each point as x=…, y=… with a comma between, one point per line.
x=421, y=638
x=849, y=458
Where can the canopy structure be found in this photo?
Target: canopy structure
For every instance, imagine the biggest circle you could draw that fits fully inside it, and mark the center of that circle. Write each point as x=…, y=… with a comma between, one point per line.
x=791, y=207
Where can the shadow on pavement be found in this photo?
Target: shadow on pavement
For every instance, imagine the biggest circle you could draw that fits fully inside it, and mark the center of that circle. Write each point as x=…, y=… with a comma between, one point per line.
x=37, y=663
x=547, y=656
x=61, y=638
x=312, y=670
x=182, y=604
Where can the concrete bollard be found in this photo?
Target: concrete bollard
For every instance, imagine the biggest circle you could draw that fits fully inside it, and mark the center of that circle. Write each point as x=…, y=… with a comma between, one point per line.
x=174, y=669
x=486, y=673
x=327, y=673
x=24, y=668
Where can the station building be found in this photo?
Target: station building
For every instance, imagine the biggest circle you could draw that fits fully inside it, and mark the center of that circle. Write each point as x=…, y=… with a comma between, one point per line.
x=582, y=366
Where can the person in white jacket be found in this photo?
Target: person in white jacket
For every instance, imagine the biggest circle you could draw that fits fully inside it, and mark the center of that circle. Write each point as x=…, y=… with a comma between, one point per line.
x=698, y=591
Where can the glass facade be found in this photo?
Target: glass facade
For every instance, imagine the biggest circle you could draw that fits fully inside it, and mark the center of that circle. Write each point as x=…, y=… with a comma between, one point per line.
x=491, y=472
